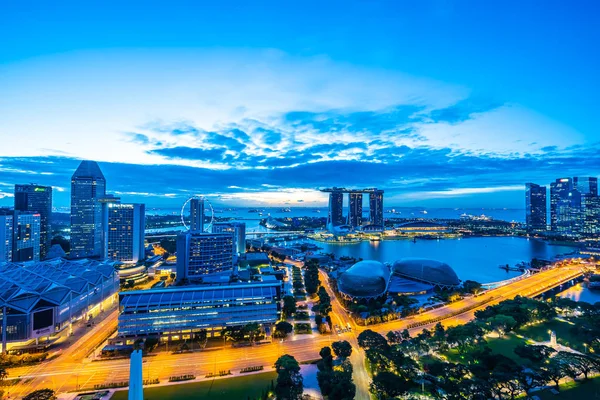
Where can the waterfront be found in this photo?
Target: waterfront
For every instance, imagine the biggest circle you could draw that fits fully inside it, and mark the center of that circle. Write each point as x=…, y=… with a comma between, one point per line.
x=475, y=259
x=580, y=292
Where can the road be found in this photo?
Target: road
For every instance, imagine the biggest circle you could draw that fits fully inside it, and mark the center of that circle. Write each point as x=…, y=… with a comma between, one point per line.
x=71, y=370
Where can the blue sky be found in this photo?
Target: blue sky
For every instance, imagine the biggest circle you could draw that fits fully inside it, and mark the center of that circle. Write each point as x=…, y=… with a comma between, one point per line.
x=440, y=103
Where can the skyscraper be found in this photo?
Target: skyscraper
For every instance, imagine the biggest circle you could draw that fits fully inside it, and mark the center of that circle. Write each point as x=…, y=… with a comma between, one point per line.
x=37, y=199
x=124, y=227
x=6, y=236
x=197, y=215
x=237, y=229
x=201, y=254
x=335, y=216
x=21, y=242
x=355, y=204
x=565, y=207
x=535, y=208
x=376, y=207
x=590, y=205
x=88, y=185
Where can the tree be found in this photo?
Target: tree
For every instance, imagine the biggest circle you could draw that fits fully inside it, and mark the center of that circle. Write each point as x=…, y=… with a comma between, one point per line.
x=311, y=276
x=502, y=324
x=3, y=374
x=42, y=394
x=534, y=353
x=342, y=349
x=289, y=380
x=472, y=287
x=289, y=306
x=554, y=371
x=393, y=337
x=579, y=364
x=387, y=385
x=282, y=329
x=370, y=340
x=405, y=334
x=253, y=330
x=326, y=362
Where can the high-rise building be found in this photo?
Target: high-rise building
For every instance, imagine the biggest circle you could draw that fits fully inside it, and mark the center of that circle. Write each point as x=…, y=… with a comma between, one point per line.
x=24, y=243
x=197, y=215
x=124, y=227
x=6, y=236
x=535, y=208
x=376, y=207
x=88, y=186
x=200, y=254
x=335, y=216
x=590, y=205
x=355, y=212
x=238, y=230
x=565, y=208
x=38, y=199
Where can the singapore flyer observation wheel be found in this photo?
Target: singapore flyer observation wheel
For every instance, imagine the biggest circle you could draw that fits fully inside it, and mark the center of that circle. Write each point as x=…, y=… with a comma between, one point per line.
x=208, y=212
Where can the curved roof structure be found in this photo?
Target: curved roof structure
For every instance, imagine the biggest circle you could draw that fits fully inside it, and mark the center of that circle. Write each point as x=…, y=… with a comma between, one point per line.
x=365, y=279
x=428, y=271
x=23, y=285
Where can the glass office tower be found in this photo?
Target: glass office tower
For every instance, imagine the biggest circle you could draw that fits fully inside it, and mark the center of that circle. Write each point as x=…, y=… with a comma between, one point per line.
x=38, y=199
x=535, y=208
x=88, y=185
x=124, y=232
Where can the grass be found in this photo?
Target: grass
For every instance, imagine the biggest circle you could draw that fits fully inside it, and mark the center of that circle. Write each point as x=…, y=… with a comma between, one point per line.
x=539, y=333
x=238, y=388
x=504, y=345
x=589, y=390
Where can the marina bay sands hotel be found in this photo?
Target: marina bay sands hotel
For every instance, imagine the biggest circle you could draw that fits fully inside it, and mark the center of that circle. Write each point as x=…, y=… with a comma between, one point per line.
x=354, y=220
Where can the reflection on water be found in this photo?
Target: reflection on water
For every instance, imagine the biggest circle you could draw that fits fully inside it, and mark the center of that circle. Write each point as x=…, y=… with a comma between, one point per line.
x=475, y=259
x=580, y=292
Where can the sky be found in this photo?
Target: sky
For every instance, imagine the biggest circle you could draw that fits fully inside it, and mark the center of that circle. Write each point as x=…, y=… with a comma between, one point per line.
x=439, y=103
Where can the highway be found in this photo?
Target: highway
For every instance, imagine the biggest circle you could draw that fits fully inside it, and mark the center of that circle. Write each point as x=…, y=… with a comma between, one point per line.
x=71, y=370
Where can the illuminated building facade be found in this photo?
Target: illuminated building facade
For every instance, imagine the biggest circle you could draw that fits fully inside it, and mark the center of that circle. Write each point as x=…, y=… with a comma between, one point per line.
x=88, y=186
x=202, y=254
x=40, y=299
x=23, y=238
x=197, y=215
x=335, y=216
x=355, y=209
x=376, y=208
x=37, y=199
x=178, y=312
x=124, y=232
x=238, y=230
x=535, y=208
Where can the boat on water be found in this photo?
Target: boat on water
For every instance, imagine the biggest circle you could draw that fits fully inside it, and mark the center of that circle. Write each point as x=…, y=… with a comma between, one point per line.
x=285, y=210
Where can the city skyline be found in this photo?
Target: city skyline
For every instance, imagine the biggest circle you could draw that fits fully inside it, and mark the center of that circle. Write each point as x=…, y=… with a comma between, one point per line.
x=253, y=110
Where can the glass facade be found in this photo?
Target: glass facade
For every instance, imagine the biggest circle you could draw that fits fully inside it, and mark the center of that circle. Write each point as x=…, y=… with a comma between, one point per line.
x=238, y=230
x=574, y=206
x=40, y=298
x=87, y=187
x=376, y=208
x=336, y=209
x=192, y=308
x=6, y=237
x=37, y=199
x=355, y=209
x=124, y=232
x=200, y=254
x=535, y=208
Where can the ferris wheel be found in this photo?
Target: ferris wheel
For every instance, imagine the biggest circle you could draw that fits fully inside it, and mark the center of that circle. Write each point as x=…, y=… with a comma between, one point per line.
x=207, y=207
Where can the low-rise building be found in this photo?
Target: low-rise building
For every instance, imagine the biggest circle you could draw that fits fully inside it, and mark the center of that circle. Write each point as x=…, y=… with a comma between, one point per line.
x=40, y=299
x=177, y=312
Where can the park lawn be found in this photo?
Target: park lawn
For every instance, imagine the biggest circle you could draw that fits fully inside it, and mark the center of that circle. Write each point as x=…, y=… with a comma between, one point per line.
x=238, y=388
x=504, y=345
x=589, y=390
x=539, y=333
